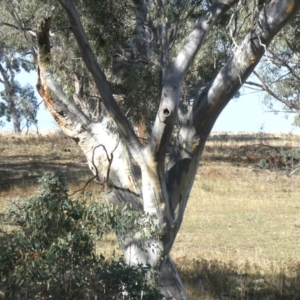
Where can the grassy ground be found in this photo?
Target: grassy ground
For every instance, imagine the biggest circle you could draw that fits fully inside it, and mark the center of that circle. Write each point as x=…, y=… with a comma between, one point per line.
x=242, y=223
x=241, y=234
x=24, y=159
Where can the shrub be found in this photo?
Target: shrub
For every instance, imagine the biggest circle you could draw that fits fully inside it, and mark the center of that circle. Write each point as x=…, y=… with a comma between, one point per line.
x=52, y=253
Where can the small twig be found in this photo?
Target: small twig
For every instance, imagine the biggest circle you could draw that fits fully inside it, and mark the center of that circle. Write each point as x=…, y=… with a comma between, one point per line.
x=20, y=208
x=7, y=234
x=233, y=18
x=109, y=161
x=96, y=170
x=16, y=27
x=267, y=146
x=84, y=187
x=255, y=147
x=289, y=175
x=125, y=190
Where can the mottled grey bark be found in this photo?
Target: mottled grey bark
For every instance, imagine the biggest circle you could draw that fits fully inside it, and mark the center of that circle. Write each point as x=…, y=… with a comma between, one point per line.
x=112, y=147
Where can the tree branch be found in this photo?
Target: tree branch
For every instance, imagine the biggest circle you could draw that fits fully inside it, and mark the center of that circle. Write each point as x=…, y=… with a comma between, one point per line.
x=4, y=75
x=173, y=77
x=284, y=63
x=201, y=117
x=265, y=88
x=164, y=34
x=15, y=27
x=197, y=37
x=158, y=196
x=19, y=26
x=229, y=80
x=63, y=110
x=126, y=131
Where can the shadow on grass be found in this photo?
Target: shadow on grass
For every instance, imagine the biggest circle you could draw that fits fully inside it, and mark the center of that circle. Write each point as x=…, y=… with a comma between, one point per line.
x=242, y=137
x=27, y=173
x=214, y=279
x=275, y=157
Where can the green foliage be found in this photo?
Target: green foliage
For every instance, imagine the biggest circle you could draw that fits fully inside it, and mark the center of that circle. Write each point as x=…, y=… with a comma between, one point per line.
x=4, y=112
x=125, y=37
x=296, y=121
x=291, y=158
x=280, y=72
x=24, y=102
x=263, y=164
x=17, y=102
x=139, y=102
x=52, y=253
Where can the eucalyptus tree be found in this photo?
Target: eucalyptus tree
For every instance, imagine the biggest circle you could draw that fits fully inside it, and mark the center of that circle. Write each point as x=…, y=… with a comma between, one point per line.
x=17, y=102
x=163, y=56
x=278, y=75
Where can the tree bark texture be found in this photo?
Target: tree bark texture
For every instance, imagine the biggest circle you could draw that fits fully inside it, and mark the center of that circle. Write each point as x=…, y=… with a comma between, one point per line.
x=113, y=150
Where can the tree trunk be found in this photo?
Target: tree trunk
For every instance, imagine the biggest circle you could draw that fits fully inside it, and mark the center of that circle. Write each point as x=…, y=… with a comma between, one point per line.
x=14, y=115
x=172, y=286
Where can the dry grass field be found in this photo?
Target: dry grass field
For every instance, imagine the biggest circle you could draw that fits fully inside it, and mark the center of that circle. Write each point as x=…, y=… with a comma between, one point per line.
x=240, y=238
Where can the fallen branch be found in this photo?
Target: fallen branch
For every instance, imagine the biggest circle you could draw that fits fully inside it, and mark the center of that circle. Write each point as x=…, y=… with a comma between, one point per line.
x=289, y=175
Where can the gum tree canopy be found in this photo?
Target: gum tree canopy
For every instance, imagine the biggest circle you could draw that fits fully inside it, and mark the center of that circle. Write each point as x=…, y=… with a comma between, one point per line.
x=167, y=65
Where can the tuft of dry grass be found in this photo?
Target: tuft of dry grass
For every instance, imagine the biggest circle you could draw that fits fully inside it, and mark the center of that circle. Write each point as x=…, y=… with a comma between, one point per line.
x=240, y=236
x=241, y=232
x=236, y=213
x=215, y=279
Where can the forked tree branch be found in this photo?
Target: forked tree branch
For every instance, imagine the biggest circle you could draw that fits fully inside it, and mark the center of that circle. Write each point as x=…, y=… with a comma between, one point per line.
x=156, y=150
x=125, y=129
x=78, y=126
x=14, y=15
x=232, y=76
x=195, y=40
x=264, y=87
x=174, y=75
x=282, y=62
x=206, y=109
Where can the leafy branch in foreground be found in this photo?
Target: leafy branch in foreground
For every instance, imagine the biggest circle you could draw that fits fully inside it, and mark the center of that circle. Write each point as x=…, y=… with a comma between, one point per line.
x=52, y=253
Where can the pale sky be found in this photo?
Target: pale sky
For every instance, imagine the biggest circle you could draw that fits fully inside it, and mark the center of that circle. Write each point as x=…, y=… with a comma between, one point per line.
x=245, y=114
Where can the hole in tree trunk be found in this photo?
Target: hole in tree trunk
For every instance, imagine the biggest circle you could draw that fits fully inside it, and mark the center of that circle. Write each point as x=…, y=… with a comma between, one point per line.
x=166, y=112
